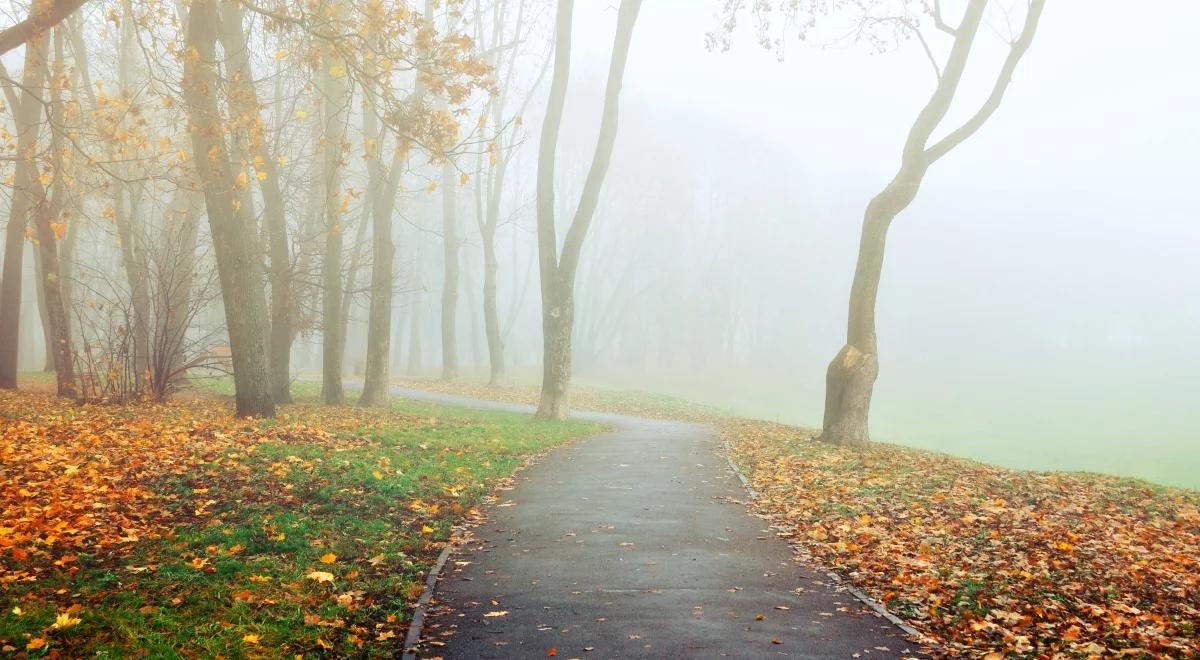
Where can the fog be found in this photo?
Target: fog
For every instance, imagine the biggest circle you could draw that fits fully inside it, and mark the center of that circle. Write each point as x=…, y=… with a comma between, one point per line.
x=1038, y=305
x=1038, y=296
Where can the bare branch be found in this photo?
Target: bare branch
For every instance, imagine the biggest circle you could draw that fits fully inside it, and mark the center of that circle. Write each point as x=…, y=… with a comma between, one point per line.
x=1015, y=53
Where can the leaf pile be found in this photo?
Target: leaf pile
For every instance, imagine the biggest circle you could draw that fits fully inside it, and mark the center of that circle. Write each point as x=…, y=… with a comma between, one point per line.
x=179, y=530
x=986, y=559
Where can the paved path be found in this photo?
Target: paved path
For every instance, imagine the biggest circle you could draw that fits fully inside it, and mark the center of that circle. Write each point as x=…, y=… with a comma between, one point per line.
x=636, y=544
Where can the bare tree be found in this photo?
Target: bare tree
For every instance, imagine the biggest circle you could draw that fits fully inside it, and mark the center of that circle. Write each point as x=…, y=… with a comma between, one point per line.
x=850, y=378
x=558, y=272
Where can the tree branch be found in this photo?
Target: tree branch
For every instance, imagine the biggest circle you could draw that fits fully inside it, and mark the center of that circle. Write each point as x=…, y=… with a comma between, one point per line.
x=1015, y=53
x=37, y=23
x=939, y=23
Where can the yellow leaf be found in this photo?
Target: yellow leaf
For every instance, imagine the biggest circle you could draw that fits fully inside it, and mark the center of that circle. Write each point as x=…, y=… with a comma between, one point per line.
x=300, y=114
x=35, y=644
x=497, y=613
x=337, y=71
x=262, y=176
x=377, y=474
x=250, y=639
x=320, y=576
x=426, y=529
x=281, y=53
x=241, y=180
x=328, y=558
x=464, y=179
x=65, y=620
x=45, y=178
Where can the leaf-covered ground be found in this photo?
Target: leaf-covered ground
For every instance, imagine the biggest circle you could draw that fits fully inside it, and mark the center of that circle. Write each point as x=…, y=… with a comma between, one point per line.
x=180, y=531
x=986, y=561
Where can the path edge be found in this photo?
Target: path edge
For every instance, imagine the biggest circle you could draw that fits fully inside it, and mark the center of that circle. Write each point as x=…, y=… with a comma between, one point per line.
x=413, y=639
x=876, y=606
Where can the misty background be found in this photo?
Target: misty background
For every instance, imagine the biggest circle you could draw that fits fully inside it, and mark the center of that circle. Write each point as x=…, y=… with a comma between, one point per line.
x=1039, y=304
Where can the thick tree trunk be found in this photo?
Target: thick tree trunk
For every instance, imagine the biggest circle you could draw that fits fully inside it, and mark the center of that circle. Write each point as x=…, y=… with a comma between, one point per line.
x=850, y=377
x=245, y=98
x=232, y=231
x=28, y=120
x=333, y=343
x=450, y=279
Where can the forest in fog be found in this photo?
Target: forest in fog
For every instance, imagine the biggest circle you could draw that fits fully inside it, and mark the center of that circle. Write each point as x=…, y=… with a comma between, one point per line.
x=459, y=329
x=358, y=192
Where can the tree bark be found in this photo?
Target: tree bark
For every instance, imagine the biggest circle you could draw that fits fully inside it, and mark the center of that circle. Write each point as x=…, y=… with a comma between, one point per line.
x=384, y=186
x=28, y=121
x=232, y=231
x=333, y=343
x=450, y=278
x=245, y=98
x=558, y=273
x=58, y=344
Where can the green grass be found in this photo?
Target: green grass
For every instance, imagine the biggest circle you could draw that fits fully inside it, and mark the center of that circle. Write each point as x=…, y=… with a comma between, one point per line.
x=382, y=497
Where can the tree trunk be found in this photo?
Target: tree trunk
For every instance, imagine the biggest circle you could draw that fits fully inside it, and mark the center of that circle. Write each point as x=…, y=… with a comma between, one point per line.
x=245, y=98
x=850, y=377
x=58, y=345
x=333, y=343
x=383, y=188
x=450, y=280
x=557, y=324
x=232, y=231
x=491, y=317
x=28, y=120
x=558, y=272
x=44, y=313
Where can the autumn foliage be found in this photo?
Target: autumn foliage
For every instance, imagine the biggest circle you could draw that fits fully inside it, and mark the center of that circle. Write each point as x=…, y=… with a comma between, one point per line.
x=986, y=559
x=139, y=527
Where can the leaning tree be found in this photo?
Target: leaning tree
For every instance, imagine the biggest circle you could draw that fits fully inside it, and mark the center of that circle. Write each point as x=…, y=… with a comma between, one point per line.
x=850, y=378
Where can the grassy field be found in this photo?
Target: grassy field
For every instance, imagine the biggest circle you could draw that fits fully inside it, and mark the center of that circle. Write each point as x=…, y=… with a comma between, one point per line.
x=179, y=531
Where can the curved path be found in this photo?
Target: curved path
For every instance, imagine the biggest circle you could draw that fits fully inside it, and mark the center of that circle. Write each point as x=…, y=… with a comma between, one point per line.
x=636, y=544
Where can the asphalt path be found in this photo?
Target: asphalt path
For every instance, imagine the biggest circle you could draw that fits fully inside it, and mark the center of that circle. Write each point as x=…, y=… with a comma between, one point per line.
x=637, y=543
